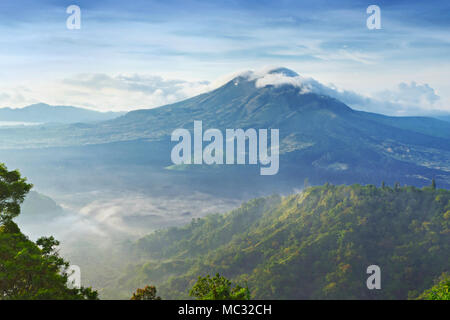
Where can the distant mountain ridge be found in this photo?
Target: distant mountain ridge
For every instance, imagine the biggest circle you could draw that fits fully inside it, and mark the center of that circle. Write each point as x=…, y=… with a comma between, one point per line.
x=321, y=138
x=44, y=113
x=38, y=207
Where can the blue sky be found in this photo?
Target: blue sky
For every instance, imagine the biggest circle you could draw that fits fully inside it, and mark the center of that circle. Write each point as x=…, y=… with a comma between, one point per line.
x=141, y=54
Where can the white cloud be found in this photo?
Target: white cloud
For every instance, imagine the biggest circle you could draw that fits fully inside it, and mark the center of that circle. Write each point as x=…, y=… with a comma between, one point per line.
x=104, y=92
x=125, y=92
x=278, y=79
x=411, y=94
x=405, y=99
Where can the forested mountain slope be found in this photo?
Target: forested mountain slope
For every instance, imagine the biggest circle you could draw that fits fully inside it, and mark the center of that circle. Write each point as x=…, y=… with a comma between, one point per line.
x=313, y=245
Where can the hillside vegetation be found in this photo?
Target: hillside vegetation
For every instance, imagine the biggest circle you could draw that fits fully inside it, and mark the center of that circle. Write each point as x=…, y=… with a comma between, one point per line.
x=313, y=245
x=29, y=270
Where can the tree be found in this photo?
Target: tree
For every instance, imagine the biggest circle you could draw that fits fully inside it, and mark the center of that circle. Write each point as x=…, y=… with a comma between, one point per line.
x=433, y=184
x=218, y=288
x=440, y=291
x=34, y=271
x=148, y=293
x=13, y=189
x=28, y=270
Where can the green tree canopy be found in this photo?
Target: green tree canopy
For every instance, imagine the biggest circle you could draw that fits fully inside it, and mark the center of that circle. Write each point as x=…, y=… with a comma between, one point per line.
x=13, y=189
x=440, y=291
x=148, y=293
x=28, y=270
x=218, y=288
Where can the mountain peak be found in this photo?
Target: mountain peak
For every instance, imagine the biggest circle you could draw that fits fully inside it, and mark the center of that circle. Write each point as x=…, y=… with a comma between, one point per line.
x=284, y=71
x=254, y=75
x=267, y=76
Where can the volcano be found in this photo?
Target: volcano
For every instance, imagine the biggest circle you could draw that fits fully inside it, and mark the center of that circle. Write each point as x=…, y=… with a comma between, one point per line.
x=321, y=138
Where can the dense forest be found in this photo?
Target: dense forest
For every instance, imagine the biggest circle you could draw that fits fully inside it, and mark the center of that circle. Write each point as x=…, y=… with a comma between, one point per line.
x=313, y=245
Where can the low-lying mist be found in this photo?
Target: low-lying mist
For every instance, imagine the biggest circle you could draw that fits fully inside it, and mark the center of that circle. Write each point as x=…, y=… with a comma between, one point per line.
x=95, y=227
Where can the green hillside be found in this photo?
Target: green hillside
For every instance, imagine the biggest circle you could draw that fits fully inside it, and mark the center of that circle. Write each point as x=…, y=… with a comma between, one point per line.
x=312, y=245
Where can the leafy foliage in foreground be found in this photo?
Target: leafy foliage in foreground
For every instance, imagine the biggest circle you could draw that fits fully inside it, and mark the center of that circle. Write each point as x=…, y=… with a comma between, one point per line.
x=218, y=288
x=312, y=245
x=29, y=270
x=13, y=189
x=440, y=291
x=148, y=293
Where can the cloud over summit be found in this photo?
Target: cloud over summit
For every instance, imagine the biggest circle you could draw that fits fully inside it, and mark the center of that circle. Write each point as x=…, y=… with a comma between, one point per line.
x=405, y=99
x=131, y=91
